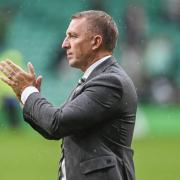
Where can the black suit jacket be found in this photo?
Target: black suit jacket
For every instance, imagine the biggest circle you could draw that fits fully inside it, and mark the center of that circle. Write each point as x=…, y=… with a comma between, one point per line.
x=96, y=123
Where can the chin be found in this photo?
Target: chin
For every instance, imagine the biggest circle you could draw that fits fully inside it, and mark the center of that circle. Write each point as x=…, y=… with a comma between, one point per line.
x=72, y=63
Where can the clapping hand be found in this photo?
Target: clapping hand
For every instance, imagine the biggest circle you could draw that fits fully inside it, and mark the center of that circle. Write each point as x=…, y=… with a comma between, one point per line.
x=17, y=78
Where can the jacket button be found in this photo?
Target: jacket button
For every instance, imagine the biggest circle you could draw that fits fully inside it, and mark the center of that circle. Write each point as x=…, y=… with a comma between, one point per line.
x=108, y=161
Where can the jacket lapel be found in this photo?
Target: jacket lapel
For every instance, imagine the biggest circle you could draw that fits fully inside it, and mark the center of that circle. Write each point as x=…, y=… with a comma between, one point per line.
x=101, y=67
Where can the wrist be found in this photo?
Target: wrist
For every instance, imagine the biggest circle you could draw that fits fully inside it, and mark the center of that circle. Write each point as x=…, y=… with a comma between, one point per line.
x=27, y=92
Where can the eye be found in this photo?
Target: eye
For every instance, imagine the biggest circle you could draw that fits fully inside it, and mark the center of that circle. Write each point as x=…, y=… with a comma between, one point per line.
x=73, y=36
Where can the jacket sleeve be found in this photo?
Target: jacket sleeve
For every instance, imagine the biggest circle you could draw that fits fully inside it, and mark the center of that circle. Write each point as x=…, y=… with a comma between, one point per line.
x=93, y=105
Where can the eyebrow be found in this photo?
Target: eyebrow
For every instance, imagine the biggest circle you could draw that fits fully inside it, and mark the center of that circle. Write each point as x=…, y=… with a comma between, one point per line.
x=71, y=33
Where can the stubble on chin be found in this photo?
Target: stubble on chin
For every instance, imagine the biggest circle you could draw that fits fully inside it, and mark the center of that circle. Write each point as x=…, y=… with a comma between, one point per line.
x=71, y=63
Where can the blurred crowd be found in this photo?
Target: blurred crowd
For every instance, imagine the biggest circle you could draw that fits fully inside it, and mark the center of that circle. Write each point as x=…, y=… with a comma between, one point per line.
x=150, y=56
x=9, y=106
x=151, y=59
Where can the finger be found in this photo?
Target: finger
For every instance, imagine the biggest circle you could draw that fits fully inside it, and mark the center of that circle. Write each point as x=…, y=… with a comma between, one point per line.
x=8, y=81
x=5, y=69
x=39, y=82
x=31, y=69
x=15, y=67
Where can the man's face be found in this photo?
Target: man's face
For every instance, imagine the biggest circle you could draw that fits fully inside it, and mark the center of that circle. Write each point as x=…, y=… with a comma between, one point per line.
x=78, y=44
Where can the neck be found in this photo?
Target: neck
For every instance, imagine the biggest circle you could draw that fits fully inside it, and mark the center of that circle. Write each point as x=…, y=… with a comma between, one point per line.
x=94, y=59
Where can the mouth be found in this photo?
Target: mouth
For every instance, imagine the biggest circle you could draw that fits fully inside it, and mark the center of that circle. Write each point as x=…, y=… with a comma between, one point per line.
x=69, y=55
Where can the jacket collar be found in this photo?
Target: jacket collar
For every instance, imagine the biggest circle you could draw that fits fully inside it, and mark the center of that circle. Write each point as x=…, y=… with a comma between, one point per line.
x=101, y=67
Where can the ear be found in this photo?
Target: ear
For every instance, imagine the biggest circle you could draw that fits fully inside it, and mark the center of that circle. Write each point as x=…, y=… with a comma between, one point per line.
x=96, y=42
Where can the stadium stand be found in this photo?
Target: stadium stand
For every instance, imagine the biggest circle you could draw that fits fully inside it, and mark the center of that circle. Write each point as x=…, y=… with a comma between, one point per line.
x=38, y=28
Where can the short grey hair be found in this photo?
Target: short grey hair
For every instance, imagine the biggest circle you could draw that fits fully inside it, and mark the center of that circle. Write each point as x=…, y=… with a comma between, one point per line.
x=102, y=23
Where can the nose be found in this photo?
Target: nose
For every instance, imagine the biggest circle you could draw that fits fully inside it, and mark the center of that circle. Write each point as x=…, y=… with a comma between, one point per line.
x=65, y=43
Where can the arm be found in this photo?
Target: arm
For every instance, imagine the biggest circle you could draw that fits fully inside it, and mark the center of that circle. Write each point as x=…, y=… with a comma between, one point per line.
x=91, y=107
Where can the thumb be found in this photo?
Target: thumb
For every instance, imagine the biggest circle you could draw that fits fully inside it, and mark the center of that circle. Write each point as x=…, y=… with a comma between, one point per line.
x=31, y=69
x=39, y=82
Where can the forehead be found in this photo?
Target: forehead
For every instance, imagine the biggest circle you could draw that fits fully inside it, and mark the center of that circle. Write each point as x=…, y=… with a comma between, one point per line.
x=77, y=25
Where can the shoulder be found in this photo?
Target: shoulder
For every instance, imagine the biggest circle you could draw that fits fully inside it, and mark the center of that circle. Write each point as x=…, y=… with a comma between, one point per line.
x=106, y=79
x=113, y=75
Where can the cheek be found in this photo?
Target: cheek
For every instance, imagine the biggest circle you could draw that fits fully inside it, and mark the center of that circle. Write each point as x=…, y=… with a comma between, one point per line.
x=79, y=51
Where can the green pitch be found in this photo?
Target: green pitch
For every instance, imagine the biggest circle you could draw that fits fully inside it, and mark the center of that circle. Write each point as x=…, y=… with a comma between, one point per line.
x=157, y=158
x=29, y=156
x=25, y=155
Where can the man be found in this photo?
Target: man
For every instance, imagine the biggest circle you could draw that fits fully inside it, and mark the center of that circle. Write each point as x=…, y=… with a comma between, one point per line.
x=97, y=121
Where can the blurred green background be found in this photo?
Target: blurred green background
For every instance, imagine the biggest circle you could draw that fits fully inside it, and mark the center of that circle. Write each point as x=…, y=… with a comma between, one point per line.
x=148, y=49
x=24, y=154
